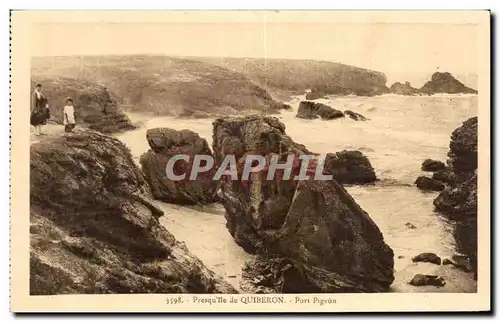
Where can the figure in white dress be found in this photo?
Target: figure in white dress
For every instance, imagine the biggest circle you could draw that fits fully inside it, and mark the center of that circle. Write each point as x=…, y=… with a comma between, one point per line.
x=69, y=116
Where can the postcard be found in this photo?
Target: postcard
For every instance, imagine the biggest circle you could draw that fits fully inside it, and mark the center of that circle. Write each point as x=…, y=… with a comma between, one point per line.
x=250, y=161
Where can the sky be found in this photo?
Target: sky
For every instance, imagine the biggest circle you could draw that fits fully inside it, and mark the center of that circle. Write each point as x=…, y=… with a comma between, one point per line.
x=403, y=52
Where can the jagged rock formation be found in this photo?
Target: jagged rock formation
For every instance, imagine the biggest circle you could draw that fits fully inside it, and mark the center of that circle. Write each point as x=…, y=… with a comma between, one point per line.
x=350, y=167
x=312, y=110
x=94, y=228
x=166, y=143
x=314, y=226
x=445, y=83
x=95, y=107
x=404, y=89
x=459, y=200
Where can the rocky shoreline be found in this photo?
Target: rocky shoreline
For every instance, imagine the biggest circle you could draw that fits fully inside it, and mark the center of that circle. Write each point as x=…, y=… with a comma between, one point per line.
x=304, y=242
x=458, y=201
x=96, y=210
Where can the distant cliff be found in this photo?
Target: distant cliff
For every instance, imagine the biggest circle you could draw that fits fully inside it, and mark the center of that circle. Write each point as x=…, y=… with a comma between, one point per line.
x=164, y=85
x=289, y=76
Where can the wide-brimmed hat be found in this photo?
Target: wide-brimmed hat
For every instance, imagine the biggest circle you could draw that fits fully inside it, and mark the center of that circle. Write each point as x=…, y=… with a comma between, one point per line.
x=69, y=99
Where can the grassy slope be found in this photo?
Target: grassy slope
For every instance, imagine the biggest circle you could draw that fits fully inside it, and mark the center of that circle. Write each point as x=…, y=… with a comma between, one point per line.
x=287, y=76
x=162, y=85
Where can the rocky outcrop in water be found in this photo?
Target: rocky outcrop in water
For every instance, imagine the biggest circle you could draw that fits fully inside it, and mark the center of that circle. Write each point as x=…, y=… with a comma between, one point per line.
x=314, y=228
x=349, y=167
x=312, y=110
x=95, y=107
x=459, y=200
x=427, y=258
x=404, y=89
x=430, y=165
x=94, y=227
x=445, y=83
x=424, y=280
x=166, y=143
x=425, y=183
x=355, y=116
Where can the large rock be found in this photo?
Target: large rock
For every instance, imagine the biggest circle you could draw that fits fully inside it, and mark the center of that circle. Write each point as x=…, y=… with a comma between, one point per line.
x=459, y=200
x=95, y=106
x=94, y=226
x=445, y=83
x=166, y=143
x=404, y=89
x=432, y=165
x=315, y=224
x=312, y=110
x=425, y=183
x=349, y=167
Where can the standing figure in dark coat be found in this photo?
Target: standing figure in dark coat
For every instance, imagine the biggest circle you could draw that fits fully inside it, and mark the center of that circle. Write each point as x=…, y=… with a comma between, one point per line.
x=40, y=112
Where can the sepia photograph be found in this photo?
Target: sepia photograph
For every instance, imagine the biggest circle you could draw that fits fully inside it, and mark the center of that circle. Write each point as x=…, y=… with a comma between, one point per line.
x=281, y=160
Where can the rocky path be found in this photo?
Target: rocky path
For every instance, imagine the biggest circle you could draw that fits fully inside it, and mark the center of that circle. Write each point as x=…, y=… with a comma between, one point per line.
x=51, y=130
